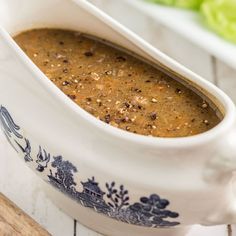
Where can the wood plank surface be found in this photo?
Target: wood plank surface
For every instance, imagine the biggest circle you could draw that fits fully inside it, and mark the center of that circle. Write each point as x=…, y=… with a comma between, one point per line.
x=14, y=221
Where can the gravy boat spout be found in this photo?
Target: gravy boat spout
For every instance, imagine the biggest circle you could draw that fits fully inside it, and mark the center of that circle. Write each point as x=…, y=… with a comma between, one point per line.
x=114, y=182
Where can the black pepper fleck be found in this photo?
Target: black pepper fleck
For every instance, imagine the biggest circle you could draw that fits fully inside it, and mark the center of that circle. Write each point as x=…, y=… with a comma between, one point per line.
x=88, y=54
x=64, y=83
x=178, y=91
x=72, y=96
x=120, y=58
x=136, y=90
x=127, y=105
x=153, y=116
x=107, y=118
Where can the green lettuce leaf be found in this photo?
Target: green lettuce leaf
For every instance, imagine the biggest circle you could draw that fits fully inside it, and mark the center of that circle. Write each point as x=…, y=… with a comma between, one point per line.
x=192, y=4
x=220, y=16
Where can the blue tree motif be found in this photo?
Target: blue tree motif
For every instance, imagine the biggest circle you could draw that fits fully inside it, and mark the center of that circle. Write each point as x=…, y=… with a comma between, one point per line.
x=42, y=159
x=8, y=123
x=118, y=197
x=149, y=211
x=64, y=173
x=152, y=210
x=26, y=150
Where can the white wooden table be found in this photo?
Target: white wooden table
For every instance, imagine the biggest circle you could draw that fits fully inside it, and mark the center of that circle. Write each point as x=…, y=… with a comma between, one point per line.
x=23, y=187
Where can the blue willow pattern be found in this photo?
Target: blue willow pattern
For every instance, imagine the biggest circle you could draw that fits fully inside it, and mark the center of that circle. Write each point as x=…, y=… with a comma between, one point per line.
x=113, y=200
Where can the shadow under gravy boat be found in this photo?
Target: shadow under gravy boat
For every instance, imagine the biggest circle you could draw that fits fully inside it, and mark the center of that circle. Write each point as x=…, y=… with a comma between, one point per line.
x=113, y=181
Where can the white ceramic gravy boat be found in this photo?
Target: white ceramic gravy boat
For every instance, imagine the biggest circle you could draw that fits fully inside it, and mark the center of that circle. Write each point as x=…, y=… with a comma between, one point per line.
x=168, y=183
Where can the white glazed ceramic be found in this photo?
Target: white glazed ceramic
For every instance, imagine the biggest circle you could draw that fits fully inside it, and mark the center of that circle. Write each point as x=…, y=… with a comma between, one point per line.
x=171, y=183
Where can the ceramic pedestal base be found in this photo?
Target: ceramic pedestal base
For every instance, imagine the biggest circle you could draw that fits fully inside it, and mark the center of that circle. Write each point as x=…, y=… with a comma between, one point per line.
x=103, y=224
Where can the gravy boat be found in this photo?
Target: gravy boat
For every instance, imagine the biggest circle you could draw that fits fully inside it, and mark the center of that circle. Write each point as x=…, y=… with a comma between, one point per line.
x=113, y=181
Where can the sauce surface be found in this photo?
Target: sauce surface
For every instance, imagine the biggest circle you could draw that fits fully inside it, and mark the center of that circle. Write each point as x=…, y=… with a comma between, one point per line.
x=116, y=87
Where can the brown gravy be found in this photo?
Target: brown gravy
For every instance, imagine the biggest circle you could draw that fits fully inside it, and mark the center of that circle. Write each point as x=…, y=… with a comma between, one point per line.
x=116, y=87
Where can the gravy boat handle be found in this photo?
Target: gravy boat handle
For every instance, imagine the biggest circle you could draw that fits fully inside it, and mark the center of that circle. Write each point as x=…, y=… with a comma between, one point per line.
x=222, y=169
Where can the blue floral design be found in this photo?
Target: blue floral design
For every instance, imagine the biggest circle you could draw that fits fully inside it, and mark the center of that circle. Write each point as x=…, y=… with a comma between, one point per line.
x=112, y=201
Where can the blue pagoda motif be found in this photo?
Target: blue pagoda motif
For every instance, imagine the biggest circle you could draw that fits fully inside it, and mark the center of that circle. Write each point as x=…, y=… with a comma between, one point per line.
x=92, y=196
x=114, y=201
x=92, y=189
